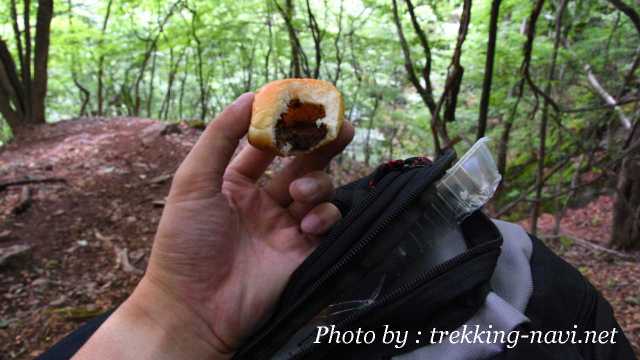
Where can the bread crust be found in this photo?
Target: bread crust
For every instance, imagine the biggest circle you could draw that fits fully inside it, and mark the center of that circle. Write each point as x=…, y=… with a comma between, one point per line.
x=272, y=100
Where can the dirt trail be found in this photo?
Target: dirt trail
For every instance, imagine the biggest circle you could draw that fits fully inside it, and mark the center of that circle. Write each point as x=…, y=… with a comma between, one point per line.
x=91, y=234
x=80, y=229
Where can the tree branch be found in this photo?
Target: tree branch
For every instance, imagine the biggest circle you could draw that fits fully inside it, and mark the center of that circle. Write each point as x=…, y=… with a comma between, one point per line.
x=316, y=33
x=629, y=11
x=595, y=84
x=427, y=97
x=454, y=73
x=424, y=43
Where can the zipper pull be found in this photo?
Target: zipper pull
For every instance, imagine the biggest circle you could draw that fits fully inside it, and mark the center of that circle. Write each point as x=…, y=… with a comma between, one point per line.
x=391, y=165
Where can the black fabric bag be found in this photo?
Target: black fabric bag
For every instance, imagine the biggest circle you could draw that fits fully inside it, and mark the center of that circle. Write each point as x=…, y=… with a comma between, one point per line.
x=376, y=258
x=381, y=214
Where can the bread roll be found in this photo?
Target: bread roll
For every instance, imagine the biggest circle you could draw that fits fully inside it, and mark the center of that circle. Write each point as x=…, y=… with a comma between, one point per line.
x=295, y=116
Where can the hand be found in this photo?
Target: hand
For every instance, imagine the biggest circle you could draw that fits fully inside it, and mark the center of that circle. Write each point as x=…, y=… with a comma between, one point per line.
x=225, y=247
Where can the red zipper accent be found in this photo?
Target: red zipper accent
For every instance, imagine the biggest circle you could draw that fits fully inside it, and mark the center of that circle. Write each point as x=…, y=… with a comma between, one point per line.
x=391, y=165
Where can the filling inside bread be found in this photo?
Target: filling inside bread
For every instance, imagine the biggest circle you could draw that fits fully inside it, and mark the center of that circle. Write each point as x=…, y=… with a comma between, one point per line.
x=297, y=128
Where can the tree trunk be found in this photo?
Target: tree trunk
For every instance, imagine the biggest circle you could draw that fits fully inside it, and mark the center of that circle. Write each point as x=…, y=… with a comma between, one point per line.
x=151, y=84
x=425, y=91
x=626, y=210
x=99, y=90
x=22, y=94
x=488, y=69
x=43, y=32
x=183, y=82
x=316, y=34
x=85, y=96
x=270, y=47
x=26, y=69
x=503, y=146
x=10, y=115
x=299, y=63
x=150, y=48
x=535, y=211
x=296, y=71
x=336, y=45
x=168, y=99
x=367, y=144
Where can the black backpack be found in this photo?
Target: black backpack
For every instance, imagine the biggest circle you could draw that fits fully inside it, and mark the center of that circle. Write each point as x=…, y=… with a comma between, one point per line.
x=376, y=272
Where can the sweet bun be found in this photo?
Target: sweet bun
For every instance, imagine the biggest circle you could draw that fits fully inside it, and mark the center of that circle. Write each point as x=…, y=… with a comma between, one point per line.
x=295, y=116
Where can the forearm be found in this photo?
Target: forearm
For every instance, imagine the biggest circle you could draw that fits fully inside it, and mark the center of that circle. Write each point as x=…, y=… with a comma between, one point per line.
x=147, y=326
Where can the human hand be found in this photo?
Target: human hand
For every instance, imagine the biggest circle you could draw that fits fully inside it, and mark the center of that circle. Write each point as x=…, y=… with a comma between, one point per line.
x=225, y=247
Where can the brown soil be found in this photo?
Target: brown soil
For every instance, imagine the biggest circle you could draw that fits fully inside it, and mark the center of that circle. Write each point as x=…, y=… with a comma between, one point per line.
x=614, y=276
x=106, y=204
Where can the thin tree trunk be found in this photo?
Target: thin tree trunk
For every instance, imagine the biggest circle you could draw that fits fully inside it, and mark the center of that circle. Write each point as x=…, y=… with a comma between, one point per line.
x=394, y=133
x=367, y=144
x=41, y=76
x=626, y=209
x=19, y=90
x=316, y=34
x=296, y=70
x=28, y=90
x=299, y=63
x=455, y=72
x=535, y=213
x=85, y=96
x=201, y=82
x=183, y=81
x=10, y=115
x=99, y=90
x=26, y=71
x=84, y=93
x=425, y=91
x=151, y=83
x=267, y=57
x=173, y=70
x=12, y=102
x=503, y=146
x=248, y=69
x=336, y=44
x=488, y=69
x=150, y=48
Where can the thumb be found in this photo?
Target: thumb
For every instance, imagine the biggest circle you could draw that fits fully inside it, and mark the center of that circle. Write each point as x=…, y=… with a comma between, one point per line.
x=201, y=172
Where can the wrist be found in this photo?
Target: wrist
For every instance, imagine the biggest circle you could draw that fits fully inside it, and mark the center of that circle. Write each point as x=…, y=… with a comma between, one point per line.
x=152, y=324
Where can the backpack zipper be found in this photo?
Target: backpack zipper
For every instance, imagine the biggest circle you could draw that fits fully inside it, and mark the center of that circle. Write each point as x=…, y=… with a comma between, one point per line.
x=373, y=193
x=403, y=290
x=354, y=250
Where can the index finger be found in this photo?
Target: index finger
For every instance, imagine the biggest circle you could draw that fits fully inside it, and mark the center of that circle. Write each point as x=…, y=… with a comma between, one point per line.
x=278, y=187
x=201, y=172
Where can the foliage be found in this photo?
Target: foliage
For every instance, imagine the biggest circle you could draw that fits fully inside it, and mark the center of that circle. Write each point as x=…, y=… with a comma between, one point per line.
x=186, y=59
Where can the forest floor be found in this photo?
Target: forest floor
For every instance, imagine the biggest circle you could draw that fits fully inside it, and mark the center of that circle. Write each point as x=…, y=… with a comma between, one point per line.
x=89, y=217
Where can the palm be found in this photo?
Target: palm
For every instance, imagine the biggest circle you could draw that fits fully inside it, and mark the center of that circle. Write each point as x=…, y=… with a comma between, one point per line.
x=204, y=246
x=227, y=246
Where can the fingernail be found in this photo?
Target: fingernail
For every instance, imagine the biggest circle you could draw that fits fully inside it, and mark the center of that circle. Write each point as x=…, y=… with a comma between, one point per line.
x=244, y=97
x=308, y=187
x=311, y=224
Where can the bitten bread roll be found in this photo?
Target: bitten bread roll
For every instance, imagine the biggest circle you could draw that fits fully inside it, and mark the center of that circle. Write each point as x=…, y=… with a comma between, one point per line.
x=295, y=116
